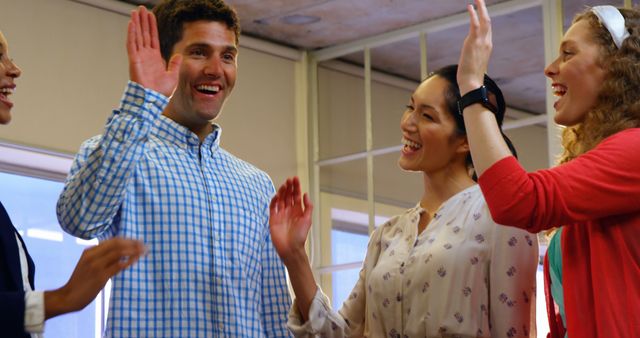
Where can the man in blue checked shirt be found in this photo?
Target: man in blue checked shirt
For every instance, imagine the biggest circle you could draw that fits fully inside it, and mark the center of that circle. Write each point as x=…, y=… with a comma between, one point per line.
x=158, y=174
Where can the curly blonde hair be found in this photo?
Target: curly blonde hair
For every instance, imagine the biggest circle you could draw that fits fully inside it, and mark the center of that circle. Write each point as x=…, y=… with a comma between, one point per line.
x=618, y=103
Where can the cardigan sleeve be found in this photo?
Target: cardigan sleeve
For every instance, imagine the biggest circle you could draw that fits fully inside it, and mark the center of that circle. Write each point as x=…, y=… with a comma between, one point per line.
x=603, y=182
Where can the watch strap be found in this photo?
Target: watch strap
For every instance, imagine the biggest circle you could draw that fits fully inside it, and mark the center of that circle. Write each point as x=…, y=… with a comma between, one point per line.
x=479, y=95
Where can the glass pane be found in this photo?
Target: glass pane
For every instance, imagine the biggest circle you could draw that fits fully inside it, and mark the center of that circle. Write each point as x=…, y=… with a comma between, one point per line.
x=347, y=246
x=345, y=179
x=542, y=323
x=30, y=203
x=343, y=283
x=394, y=186
x=341, y=110
x=388, y=104
x=392, y=86
x=517, y=66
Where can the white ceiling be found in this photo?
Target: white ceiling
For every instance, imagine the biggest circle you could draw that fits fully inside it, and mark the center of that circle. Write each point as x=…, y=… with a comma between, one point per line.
x=518, y=59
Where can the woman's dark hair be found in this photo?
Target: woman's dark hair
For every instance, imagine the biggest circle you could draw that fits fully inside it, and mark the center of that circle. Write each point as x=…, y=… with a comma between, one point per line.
x=452, y=95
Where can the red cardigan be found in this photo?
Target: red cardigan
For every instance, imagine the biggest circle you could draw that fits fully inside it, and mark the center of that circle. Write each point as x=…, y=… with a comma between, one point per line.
x=556, y=328
x=597, y=197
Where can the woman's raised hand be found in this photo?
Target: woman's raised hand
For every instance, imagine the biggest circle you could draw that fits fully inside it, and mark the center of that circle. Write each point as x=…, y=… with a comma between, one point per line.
x=476, y=50
x=290, y=220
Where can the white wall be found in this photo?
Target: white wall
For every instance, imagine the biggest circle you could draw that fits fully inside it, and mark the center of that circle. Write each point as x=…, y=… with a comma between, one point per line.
x=74, y=65
x=74, y=68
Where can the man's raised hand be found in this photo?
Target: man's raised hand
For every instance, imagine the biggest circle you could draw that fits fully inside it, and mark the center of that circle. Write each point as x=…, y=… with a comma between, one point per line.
x=146, y=65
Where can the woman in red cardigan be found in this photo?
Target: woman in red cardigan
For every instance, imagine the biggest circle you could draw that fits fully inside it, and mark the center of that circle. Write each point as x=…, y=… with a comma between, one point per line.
x=594, y=194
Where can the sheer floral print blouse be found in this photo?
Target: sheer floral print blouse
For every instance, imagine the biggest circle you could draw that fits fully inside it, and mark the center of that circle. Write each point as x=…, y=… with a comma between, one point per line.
x=463, y=276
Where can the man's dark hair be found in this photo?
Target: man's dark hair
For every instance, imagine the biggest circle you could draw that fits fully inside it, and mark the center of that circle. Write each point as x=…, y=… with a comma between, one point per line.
x=171, y=16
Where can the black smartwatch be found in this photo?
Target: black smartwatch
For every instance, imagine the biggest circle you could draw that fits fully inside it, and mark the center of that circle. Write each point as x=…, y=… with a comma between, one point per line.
x=476, y=96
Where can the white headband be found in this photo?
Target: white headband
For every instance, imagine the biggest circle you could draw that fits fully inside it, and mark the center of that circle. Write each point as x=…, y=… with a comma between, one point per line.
x=611, y=18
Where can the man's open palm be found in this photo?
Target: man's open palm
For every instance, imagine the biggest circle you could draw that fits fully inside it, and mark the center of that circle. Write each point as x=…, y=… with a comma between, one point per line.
x=146, y=65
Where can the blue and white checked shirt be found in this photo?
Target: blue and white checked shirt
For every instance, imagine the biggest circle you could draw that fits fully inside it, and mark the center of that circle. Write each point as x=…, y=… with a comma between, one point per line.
x=211, y=270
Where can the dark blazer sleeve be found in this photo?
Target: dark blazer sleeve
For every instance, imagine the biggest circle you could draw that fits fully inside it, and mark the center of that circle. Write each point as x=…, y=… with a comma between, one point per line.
x=11, y=289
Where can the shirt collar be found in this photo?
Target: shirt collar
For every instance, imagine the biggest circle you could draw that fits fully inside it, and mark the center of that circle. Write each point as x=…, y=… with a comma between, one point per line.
x=460, y=194
x=170, y=131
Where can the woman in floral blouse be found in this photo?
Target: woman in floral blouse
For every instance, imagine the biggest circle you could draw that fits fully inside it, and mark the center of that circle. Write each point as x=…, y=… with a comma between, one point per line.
x=442, y=268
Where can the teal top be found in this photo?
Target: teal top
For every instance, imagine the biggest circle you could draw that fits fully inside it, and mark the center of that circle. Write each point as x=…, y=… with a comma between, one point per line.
x=554, y=253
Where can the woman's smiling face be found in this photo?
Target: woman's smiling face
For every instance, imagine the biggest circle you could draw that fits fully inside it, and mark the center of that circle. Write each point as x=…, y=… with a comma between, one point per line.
x=8, y=73
x=576, y=75
x=429, y=130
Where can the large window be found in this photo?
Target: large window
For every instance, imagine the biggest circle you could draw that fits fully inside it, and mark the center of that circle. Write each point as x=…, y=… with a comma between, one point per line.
x=30, y=203
x=30, y=183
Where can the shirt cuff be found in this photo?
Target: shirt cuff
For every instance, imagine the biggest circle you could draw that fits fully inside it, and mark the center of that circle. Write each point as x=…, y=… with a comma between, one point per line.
x=136, y=96
x=321, y=318
x=34, y=311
